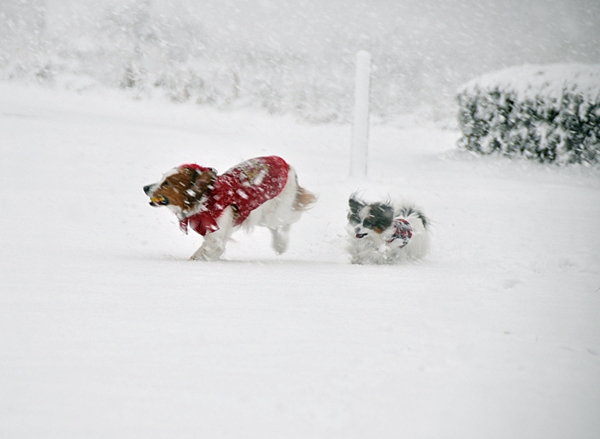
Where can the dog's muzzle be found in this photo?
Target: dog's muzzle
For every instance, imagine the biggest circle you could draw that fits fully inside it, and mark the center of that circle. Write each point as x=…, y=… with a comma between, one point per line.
x=357, y=233
x=155, y=201
x=159, y=201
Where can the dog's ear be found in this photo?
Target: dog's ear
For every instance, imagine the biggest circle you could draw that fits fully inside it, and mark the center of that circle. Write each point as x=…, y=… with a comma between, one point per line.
x=203, y=180
x=355, y=205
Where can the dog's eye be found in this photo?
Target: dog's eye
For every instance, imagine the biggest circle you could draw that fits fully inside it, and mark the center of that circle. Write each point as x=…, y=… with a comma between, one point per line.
x=369, y=221
x=166, y=183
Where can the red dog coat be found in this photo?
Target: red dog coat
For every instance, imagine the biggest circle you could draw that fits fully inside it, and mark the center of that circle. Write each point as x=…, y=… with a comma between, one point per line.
x=402, y=231
x=245, y=187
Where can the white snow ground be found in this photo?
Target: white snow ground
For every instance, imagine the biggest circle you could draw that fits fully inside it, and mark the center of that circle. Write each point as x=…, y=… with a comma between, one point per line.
x=108, y=331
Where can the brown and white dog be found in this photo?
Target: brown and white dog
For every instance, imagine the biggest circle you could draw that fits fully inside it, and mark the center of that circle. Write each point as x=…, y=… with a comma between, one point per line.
x=262, y=191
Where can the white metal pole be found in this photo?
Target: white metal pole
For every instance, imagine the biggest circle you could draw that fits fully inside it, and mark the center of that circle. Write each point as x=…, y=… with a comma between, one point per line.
x=360, y=125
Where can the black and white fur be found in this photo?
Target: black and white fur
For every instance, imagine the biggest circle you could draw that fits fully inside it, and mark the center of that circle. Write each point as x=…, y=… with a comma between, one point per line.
x=373, y=232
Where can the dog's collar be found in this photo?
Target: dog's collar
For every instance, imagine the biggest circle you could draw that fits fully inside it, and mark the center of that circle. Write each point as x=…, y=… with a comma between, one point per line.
x=200, y=207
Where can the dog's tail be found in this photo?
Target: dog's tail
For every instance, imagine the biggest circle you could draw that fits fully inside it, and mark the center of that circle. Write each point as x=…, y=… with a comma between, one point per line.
x=304, y=199
x=408, y=211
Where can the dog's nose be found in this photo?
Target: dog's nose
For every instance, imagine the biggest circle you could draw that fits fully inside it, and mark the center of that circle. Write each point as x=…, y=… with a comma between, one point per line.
x=147, y=189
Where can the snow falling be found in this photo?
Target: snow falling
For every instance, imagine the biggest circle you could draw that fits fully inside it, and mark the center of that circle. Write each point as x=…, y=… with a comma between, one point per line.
x=289, y=56
x=107, y=330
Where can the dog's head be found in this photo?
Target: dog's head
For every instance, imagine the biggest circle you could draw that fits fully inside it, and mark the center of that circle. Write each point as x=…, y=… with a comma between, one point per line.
x=368, y=218
x=181, y=188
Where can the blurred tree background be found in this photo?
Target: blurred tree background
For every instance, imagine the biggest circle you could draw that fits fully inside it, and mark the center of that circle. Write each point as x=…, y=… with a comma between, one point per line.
x=290, y=56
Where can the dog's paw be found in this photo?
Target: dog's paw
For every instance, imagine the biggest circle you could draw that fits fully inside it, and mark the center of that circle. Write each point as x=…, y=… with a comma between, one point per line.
x=203, y=255
x=280, y=239
x=202, y=258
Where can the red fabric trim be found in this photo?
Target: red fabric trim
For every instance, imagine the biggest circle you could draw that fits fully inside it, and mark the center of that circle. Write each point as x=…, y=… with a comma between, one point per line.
x=403, y=231
x=195, y=166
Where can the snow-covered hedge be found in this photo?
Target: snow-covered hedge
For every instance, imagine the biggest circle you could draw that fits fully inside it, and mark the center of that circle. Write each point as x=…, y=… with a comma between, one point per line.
x=549, y=113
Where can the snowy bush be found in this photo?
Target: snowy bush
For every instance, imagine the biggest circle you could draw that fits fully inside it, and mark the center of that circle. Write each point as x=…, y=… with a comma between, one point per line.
x=548, y=113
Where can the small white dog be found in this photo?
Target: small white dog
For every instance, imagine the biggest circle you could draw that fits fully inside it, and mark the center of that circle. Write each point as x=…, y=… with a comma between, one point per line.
x=386, y=233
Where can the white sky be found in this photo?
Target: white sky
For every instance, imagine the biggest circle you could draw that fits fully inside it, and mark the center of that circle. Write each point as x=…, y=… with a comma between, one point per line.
x=540, y=28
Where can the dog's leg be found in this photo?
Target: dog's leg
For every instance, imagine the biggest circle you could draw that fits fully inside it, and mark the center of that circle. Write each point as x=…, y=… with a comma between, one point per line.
x=214, y=243
x=280, y=238
x=366, y=251
x=211, y=249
